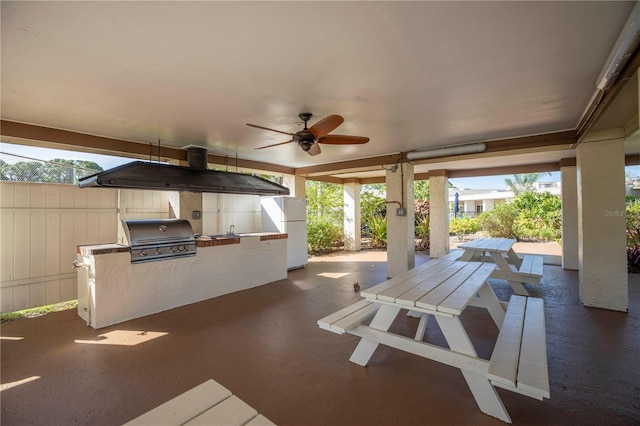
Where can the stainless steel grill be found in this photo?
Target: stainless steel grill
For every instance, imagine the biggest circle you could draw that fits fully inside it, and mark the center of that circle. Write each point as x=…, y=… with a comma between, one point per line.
x=159, y=239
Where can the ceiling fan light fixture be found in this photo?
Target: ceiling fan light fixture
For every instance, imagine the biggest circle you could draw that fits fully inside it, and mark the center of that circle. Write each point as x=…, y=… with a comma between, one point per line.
x=445, y=151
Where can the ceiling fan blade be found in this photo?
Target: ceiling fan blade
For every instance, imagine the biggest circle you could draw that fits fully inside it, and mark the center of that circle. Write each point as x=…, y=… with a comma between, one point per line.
x=275, y=144
x=326, y=125
x=343, y=140
x=271, y=130
x=314, y=150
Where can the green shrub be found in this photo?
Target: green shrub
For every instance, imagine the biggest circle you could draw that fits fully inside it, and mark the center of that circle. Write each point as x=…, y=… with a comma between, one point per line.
x=633, y=223
x=530, y=215
x=322, y=234
x=378, y=231
x=501, y=222
x=371, y=206
x=464, y=226
x=423, y=232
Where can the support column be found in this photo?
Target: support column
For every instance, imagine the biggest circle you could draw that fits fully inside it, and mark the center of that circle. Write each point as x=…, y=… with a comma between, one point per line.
x=401, y=243
x=296, y=184
x=352, y=231
x=439, y=213
x=569, y=179
x=601, y=221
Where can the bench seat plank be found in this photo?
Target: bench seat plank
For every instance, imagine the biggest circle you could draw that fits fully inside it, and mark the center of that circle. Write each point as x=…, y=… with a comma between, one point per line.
x=347, y=318
x=533, y=373
x=184, y=407
x=519, y=359
x=506, y=353
x=532, y=266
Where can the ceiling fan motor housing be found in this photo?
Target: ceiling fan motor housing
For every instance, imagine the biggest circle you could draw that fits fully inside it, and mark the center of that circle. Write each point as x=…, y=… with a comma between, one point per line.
x=305, y=144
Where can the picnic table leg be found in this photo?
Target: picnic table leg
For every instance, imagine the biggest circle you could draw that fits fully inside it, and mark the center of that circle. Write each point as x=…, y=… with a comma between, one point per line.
x=382, y=321
x=514, y=259
x=484, y=393
x=469, y=255
x=492, y=304
x=502, y=264
x=422, y=325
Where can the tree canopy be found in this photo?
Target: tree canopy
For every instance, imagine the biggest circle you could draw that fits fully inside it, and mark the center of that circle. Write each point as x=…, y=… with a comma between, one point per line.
x=58, y=170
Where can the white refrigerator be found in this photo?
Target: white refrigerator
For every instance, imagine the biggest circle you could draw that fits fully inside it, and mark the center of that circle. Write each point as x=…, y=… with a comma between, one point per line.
x=288, y=215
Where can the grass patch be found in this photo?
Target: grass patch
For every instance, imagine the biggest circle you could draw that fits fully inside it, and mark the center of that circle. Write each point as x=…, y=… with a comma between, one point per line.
x=39, y=311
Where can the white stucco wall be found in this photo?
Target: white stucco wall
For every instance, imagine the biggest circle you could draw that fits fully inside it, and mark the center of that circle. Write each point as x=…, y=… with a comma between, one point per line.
x=118, y=291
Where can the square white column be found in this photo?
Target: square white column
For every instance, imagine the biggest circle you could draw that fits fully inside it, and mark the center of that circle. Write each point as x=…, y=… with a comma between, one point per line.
x=401, y=240
x=352, y=231
x=568, y=173
x=439, y=213
x=601, y=222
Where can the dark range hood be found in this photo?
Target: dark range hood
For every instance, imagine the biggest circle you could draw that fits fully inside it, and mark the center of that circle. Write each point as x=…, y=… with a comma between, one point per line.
x=195, y=178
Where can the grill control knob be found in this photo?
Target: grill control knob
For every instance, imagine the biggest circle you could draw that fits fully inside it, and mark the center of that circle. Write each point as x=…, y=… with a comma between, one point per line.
x=173, y=249
x=158, y=251
x=143, y=252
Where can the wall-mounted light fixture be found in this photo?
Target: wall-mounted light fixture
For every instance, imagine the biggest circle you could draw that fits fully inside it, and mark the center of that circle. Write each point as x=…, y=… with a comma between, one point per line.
x=444, y=151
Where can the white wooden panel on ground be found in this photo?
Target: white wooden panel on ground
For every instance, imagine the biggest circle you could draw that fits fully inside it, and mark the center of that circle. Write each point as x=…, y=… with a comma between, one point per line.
x=184, y=407
x=260, y=420
x=231, y=411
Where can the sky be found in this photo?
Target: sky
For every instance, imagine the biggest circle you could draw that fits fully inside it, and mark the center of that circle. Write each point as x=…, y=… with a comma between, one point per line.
x=108, y=161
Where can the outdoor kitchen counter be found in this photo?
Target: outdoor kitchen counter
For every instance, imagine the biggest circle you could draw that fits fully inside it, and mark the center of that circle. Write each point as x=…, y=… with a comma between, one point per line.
x=111, y=289
x=207, y=241
x=102, y=249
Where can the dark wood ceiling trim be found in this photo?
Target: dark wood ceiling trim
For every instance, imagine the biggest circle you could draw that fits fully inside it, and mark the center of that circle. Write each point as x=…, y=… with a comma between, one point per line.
x=371, y=162
x=567, y=162
x=74, y=139
x=507, y=170
x=567, y=137
x=441, y=173
x=327, y=179
x=109, y=146
x=632, y=160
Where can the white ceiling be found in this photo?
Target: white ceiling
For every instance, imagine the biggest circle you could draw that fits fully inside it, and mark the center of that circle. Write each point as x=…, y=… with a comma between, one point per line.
x=408, y=75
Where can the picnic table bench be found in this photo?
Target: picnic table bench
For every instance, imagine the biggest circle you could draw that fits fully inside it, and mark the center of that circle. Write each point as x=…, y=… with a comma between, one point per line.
x=444, y=288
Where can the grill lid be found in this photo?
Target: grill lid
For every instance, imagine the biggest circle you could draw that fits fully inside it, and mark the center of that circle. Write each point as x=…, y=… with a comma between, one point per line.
x=146, y=232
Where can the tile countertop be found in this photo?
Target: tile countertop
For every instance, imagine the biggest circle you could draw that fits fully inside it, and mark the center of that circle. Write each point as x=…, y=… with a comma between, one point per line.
x=205, y=241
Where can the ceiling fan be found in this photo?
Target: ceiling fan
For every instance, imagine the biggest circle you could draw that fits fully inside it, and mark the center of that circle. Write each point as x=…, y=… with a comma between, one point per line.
x=309, y=138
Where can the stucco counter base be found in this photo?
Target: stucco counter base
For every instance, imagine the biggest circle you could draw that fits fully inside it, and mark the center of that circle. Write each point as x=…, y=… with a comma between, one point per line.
x=112, y=290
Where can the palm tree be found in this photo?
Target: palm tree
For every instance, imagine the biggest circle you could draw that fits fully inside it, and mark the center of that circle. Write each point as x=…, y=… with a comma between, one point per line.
x=523, y=182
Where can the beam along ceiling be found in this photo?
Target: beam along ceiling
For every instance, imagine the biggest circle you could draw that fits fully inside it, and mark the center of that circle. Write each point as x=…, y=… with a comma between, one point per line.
x=408, y=75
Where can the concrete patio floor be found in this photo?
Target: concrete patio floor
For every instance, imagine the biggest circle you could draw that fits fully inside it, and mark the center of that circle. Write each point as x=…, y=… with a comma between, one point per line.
x=264, y=346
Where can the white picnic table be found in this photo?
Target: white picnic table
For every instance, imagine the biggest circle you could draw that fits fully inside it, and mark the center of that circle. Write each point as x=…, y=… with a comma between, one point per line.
x=510, y=266
x=444, y=288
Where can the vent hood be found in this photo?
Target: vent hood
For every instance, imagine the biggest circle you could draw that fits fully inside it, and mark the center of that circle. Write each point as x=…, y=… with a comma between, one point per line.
x=195, y=178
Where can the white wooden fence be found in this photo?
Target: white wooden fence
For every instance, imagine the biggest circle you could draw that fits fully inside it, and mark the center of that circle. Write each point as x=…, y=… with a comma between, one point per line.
x=42, y=224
